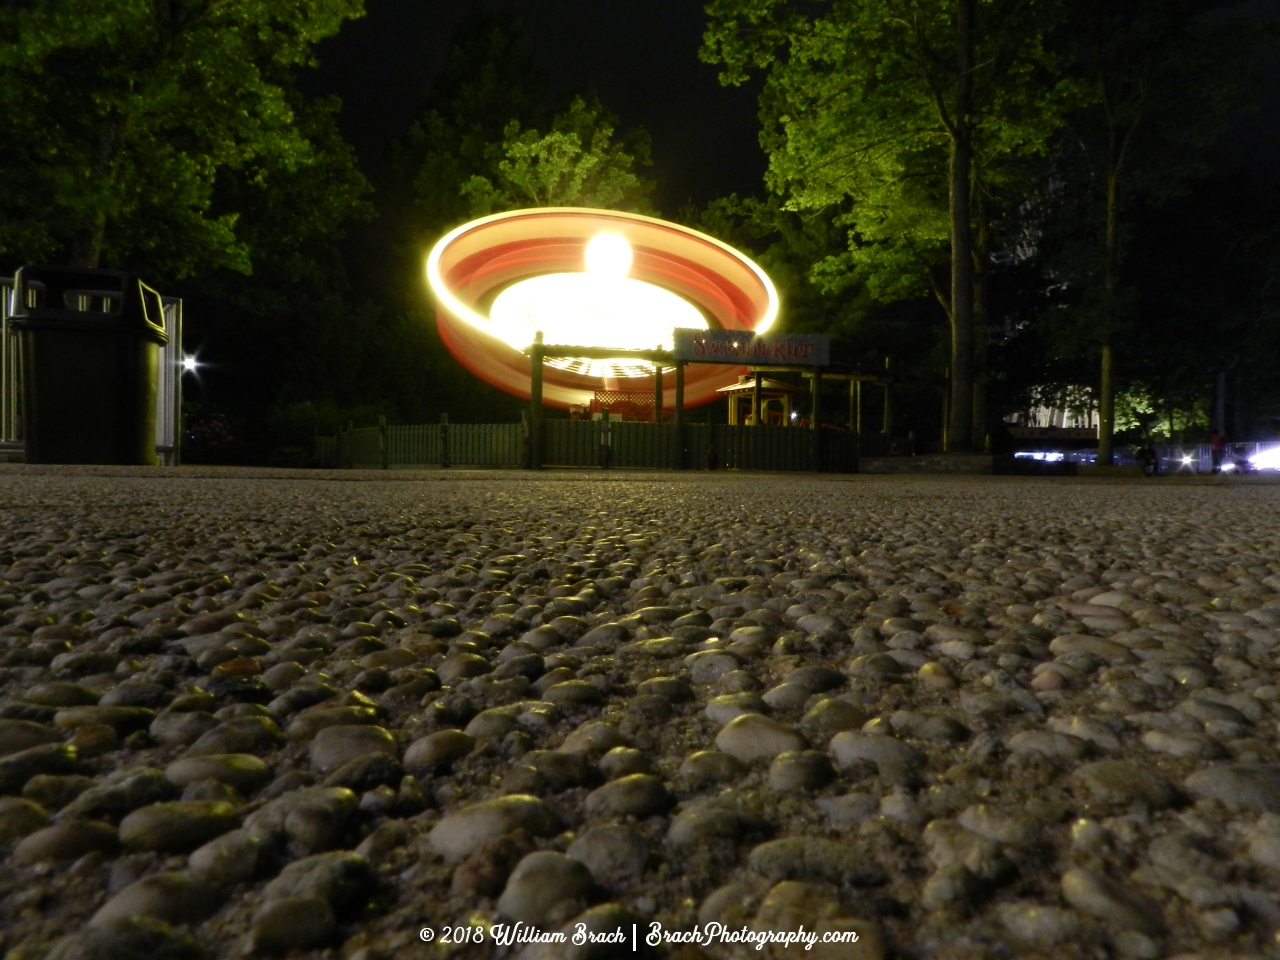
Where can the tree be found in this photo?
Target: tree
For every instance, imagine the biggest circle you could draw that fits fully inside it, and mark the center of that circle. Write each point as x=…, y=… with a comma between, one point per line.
x=1205, y=270
x=1162, y=79
x=489, y=135
x=266, y=333
x=490, y=78
x=787, y=245
x=476, y=145
x=577, y=163
x=898, y=106
x=125, y=117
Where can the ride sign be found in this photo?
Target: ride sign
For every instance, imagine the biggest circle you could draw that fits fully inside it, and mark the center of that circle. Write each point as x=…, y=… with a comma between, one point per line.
x=740, y=346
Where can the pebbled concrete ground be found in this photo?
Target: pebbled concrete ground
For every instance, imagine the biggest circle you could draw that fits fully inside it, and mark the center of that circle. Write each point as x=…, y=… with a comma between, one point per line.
x=254, y=712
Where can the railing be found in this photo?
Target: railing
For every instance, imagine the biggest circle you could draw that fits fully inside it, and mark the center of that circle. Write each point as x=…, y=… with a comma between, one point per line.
x=326, y=451
x=598, y=443
x=644, y=445
x=10, y=382
x=568, y=443
x=362, y=448
x=483, y=444
x=433, y=444
x=416, y=444
x=750, y=448
x=169, y=386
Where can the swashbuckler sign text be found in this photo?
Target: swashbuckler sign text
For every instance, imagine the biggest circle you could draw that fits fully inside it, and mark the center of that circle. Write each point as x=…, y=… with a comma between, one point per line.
x=741, y=347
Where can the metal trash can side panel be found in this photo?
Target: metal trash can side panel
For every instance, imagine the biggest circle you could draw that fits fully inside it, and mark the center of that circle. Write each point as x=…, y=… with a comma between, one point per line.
x=10, y=381
x=168, y=418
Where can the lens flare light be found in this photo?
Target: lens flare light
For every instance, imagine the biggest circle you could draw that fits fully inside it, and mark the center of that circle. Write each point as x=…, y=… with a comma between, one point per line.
x=608, y=255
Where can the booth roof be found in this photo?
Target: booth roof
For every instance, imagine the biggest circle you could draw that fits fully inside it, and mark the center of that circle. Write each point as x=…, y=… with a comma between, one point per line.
x=766, y=386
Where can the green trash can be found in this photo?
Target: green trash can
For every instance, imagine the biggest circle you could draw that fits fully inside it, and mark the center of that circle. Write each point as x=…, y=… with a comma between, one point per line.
x=91, y=342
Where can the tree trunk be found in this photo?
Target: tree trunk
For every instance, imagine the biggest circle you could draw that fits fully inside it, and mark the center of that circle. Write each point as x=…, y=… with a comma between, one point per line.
x=1219, y=421
x=981, y=340
x=959, y=432
x=86, y=248
x=1239, y=429
x=1106, y=407
x=1110, y=283
x=86, y=251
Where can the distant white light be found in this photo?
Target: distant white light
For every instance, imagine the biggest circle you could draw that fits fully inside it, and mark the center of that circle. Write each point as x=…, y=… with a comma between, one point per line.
x=189, y=364
x=1186, y=461
x=608, y=255
x=1267, y=459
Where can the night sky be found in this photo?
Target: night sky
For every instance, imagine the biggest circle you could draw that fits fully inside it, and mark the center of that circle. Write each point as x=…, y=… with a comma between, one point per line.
x=640, y=56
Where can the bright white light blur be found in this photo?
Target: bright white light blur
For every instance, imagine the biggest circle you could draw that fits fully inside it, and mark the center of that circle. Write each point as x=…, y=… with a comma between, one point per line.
x=189, y=364
x=1267, y=459
x=1186, y=461
x=1228, y=467
x=1045, y=456
x=608, y=255
x=481, y=238
x=591, y=308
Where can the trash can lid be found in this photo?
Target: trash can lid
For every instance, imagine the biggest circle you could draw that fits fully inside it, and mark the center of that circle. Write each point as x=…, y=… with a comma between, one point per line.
x=57, y=297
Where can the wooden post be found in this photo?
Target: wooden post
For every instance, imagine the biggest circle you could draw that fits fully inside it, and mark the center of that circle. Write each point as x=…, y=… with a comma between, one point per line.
x=679, y=412
x=857, y=408
x=526, y=440
x=817, y=419
x=657, y=391
x=755, y=399
x=679, y=415
x=606, y=448
x=444, y=441
x=535, y=404
x=382, y=442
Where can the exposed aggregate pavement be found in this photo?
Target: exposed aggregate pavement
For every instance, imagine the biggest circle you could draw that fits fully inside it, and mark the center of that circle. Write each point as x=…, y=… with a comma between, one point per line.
x=245, y=713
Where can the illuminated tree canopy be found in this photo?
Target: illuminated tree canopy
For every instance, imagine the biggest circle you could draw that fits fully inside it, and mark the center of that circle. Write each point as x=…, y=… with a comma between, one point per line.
x=125, y=121
x=577, y=163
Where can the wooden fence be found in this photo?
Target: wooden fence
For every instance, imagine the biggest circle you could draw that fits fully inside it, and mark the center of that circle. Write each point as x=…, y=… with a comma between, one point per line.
x=596, y=443
x=362, y=448
x=418, y=445
x=601, y=444
x=699, y=445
